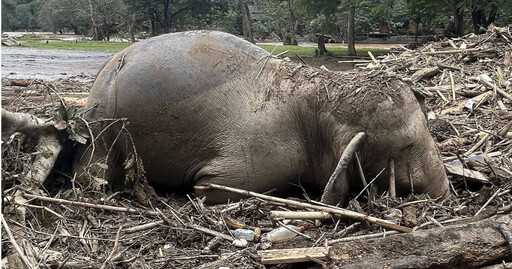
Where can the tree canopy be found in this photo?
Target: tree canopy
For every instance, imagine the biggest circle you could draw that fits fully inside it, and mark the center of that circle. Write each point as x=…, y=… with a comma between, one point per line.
x=281, y=19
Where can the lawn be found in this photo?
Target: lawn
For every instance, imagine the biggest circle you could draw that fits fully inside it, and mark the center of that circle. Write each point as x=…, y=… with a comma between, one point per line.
x=57, y=44
x=311, y=50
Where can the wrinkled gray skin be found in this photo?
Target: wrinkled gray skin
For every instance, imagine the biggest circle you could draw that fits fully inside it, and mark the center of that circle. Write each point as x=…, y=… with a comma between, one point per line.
x=199, y=113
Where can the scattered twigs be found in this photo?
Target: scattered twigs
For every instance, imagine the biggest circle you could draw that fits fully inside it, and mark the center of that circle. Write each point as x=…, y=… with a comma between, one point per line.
x=332, y=210
x=15, y=244
x=487, y=203
x=83, y=204
x=265, y=63
x=335, y=187
x=453, y=51
x=114, y=249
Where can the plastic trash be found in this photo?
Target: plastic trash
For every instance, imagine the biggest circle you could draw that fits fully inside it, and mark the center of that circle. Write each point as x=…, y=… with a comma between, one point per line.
x=282, y=234
x=240, y=243
x=470, y=103
x=243, y=234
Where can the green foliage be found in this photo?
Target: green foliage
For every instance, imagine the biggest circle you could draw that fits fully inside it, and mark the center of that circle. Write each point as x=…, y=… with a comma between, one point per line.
x=277, y=18
x=69, y=118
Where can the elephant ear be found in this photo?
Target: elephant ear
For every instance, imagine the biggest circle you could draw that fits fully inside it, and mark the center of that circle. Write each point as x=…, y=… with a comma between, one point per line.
x=420, y=97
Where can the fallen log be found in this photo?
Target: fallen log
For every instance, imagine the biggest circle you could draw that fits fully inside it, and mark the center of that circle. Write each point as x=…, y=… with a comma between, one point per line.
x=458, y=246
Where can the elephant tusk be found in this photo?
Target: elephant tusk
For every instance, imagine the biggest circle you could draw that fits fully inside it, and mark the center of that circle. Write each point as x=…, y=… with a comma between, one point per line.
x=338, y=179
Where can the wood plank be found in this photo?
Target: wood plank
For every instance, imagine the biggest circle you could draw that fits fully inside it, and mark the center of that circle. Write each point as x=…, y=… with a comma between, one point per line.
x=468, y=174
x=292, y=255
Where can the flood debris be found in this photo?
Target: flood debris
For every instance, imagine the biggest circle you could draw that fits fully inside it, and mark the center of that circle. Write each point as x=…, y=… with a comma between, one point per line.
x=75, y=225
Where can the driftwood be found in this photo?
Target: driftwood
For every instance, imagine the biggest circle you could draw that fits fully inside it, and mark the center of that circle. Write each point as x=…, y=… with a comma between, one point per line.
x=294, y=255
x=464, y=245
x=424, y=73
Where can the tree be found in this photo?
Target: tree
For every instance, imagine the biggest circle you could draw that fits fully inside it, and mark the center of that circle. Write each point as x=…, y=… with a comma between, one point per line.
x=286, y=15
x=246, y=21
x=483, y=13
x=458, y=16
x=8, y=18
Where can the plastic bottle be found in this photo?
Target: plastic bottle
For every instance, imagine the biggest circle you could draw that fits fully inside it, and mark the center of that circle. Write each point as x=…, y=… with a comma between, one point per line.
x=282, y=234
x=243, y=234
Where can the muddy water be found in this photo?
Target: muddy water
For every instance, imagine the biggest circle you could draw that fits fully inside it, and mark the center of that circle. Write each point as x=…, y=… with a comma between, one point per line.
x=52, y=64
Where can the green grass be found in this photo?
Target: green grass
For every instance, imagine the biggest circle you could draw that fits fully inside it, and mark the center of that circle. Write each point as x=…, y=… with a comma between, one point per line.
x=55, y=44
x=311, y=50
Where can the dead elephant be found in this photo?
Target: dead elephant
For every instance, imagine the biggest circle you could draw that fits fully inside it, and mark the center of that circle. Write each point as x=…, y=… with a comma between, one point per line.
x=207, y=107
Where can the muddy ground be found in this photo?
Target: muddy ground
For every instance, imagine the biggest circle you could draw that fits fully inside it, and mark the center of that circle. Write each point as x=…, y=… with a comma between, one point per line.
x=52, y=64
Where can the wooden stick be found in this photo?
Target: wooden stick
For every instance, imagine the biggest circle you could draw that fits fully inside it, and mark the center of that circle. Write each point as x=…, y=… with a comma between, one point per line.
x=341, y=169
x=330, y=209
x=281, y=54
x=265, y=63
x=373, y=57
x=114, y=249
x=452, y=44
x=487, y=203
x=15, y=245
x=299, y=215
x=452, y=83
x=211, y=232
x=369, y=184
x=89, y=205
x=144, y=227
x=496, y=88
x=293, y=231
x=361, y=173
x=452, y=51
x=392, y=187
x=361, y=237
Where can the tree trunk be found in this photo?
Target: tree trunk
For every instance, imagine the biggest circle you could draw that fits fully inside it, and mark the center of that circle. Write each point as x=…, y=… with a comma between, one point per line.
x=167, y=22
x=246, y=21
x=458, y=17
x=131, y=28
x=321, y=46
x=479, y=19
x=351, y=31
x=289, y=37
x=476, y=19
x=95, y=31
